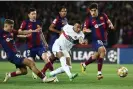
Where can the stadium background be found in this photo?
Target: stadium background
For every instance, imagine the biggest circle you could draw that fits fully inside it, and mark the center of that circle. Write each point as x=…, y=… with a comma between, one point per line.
x=119, y=50
x=120, y=13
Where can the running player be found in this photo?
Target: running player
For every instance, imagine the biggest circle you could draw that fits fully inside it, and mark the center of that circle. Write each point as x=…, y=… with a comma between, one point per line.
x=70, y=36
x=35, y=41
x=97, y=23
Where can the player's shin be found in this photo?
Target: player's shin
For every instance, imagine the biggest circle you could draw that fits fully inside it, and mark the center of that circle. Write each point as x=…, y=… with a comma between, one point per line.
x=47, y=66
x=100, y=64
x=57, y=71
x=65, y=66
x=89, y=61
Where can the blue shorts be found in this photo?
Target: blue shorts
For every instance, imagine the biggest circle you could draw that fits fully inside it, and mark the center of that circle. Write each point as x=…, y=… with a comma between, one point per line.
x=32, y=52
x=52, y=40
x=16, y=59
x=98, y=43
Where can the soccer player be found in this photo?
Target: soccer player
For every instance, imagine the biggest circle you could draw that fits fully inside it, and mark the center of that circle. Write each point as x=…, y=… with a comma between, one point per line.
x=7, y=35
x=55, y=30
x=70, y=36
x=35, y=41
x=56, y=26
x=97, y=23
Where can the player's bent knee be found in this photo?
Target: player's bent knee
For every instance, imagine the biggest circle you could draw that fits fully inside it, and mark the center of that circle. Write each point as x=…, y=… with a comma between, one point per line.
x=24, y=72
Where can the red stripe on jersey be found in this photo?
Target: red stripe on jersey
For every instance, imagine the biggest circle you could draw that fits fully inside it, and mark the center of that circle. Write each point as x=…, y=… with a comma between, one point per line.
x=106, y=17
x=38, y=38
x=66, y=36
x=23, y=24
x=97, y=29
x=29, y=41
x=56, y=20
x=86, y=24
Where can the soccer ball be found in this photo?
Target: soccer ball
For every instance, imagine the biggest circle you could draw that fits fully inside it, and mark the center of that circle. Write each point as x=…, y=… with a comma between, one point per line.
x=122, y=72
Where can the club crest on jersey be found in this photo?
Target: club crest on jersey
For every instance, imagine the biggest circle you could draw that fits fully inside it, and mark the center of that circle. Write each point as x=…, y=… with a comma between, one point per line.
x=101, y=18
x=96, y=26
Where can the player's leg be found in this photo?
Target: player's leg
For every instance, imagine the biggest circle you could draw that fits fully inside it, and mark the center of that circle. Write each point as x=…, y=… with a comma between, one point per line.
x=33, y=67
x=31, y=54
x=34, y=76
x=62, y=56
x=89, y=61
x=22, y=70
x=102, y=52
x=45, y=56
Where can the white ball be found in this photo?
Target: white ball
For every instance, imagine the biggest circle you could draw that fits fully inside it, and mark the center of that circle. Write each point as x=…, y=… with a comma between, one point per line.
x=122, y=71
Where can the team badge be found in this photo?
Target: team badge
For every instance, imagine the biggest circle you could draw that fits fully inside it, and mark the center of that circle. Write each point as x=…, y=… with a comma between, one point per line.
x=96, y=26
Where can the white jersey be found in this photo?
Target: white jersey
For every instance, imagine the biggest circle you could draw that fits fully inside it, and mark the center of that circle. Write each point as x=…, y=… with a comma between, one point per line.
x=67, y=38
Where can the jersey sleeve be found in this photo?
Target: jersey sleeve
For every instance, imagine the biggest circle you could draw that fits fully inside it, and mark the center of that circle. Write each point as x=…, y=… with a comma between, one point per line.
x=23, y=25
x=55, y=21
x=106, y=17
x=86, y=23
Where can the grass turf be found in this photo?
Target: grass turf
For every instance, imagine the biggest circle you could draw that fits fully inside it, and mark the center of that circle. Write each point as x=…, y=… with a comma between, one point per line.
x=83, y=81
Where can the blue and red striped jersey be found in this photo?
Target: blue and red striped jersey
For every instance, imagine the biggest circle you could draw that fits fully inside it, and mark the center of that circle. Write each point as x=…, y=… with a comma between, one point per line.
x=59, y=23
x=98, y=25
x=7, y=41
x=34, y=39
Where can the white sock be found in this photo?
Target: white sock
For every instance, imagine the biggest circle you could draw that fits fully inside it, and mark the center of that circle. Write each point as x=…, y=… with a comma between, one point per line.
x=99, y=72
x=84, y=65
x=65, y=66
x=57, y=71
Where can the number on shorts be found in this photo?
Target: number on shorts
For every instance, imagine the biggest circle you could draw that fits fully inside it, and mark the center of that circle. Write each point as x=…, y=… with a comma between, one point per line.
x=18, y=55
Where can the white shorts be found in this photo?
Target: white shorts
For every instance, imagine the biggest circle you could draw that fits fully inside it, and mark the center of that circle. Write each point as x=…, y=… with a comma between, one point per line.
x=57, y=48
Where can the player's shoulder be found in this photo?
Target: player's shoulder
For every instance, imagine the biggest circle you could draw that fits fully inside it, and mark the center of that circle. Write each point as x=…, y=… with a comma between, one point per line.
x=102, y=14
x=68, y=26
x=25, y=21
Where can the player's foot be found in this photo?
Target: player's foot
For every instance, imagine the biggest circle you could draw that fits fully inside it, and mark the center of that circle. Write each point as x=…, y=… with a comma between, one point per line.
x=49, y=76
x=34, y=76
x=47, y=80
x=99, y=76
x=73, y=76
x=56, y=79
x=7, y=76
x=83, y=68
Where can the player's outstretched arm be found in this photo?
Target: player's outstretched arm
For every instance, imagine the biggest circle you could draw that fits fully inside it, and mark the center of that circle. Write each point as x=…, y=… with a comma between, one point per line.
x=52, y=28
x=26, y=32
x=43, y=39
x=22, y=36
x=110, y=24
x=86, y=30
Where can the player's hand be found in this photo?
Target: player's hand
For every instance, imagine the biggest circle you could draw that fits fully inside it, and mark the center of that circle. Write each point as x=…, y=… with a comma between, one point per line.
x=86, y=30
x=111, y=27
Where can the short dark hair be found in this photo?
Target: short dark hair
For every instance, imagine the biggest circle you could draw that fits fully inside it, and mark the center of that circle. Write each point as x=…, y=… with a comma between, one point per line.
x=77, y=21
x=31, y=9
x=61, y=7
x=8, y=21
x=93, y=5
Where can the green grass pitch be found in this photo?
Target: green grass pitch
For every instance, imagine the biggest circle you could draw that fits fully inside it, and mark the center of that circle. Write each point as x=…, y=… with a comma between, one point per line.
x=83, y=81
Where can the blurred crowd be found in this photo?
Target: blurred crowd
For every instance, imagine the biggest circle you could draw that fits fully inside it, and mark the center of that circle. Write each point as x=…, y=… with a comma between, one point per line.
x=119, y=12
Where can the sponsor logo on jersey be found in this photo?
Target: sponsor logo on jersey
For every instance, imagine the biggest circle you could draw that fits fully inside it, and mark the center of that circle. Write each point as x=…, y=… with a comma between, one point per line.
x=98, y=25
